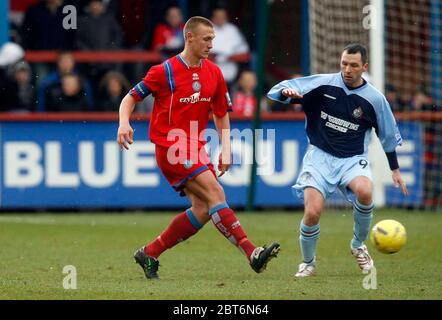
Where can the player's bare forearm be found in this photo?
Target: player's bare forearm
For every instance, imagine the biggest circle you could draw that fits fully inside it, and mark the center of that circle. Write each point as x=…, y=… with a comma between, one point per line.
x=125, y=132
x=399, y=182
x=223, y=127
x=127, y=106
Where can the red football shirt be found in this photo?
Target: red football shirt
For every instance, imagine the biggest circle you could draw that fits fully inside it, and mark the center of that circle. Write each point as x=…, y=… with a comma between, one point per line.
x=184, y=96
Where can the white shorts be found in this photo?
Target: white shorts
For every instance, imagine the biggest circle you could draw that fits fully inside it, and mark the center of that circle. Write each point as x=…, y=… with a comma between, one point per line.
x=326, y=173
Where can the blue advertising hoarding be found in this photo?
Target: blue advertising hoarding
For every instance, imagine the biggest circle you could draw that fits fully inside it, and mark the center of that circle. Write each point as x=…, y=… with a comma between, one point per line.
x=78, y=164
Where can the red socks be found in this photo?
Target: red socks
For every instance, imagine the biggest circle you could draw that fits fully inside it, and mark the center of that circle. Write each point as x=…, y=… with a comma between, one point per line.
x=228, y=224
x=180, y=228
x=186, y=225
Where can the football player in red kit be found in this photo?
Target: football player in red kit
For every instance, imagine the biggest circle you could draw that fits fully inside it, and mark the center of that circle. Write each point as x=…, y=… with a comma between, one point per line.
x=186, y=88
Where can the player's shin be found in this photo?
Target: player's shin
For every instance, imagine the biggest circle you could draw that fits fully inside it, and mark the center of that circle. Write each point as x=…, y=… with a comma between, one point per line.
x=362, y=215
x=180, y=228
x=308, y=239
x=228, y=224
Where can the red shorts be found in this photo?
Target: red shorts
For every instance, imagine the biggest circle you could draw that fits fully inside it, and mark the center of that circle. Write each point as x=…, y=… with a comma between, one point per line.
x=179, y=168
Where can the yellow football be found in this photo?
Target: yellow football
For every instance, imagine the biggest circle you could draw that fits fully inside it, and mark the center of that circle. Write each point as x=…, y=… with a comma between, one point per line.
x=388, y=236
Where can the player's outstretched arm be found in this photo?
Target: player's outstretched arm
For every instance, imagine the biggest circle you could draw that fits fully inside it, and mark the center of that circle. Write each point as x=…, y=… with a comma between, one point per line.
x=399, y=182
x=125, y=133
x=223, y=127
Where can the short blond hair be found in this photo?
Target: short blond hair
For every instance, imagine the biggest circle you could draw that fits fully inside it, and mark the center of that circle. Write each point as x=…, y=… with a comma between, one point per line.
x=193, y=22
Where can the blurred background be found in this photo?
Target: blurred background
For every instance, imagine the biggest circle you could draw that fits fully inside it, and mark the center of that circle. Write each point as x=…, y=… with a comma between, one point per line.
x=66, y=65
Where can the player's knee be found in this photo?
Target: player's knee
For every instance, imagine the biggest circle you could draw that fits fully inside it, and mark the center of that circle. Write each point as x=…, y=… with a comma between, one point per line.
x=202, y=217
x=201, y=212
x=364, y=195
x=200, y=208
x=312, y=214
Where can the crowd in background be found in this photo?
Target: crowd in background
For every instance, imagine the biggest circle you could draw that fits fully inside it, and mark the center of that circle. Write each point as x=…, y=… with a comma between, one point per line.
x=67, y=86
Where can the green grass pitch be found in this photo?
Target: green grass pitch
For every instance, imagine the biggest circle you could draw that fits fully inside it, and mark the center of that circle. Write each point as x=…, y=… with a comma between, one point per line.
x=36, y=247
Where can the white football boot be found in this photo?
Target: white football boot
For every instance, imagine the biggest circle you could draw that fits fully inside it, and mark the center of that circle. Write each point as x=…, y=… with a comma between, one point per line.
x=363, y=258
x=306, y=270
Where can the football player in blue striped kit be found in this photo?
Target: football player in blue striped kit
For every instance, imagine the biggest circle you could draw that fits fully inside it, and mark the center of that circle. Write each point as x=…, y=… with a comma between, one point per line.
x=341, y=110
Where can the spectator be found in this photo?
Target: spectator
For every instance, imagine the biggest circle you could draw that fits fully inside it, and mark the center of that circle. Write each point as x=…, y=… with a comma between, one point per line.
x=8, y=91
x=25, y=88
x=244, y=100
x=168, y=37
x=228, y=42
x=393, y=98
x=69, y=97
x=65, y=66
x=42, y=27
x=10, y=54
x=422, y=101
x=17, y=10
x=98, y=30
x=113, y=87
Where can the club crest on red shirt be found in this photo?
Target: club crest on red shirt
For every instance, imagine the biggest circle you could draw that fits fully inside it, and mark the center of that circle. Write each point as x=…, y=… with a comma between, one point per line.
x=196, y=86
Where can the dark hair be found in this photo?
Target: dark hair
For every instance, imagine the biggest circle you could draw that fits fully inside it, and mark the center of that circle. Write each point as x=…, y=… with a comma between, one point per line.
x=219, y=7
x=62, y=53
x=354, y=48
